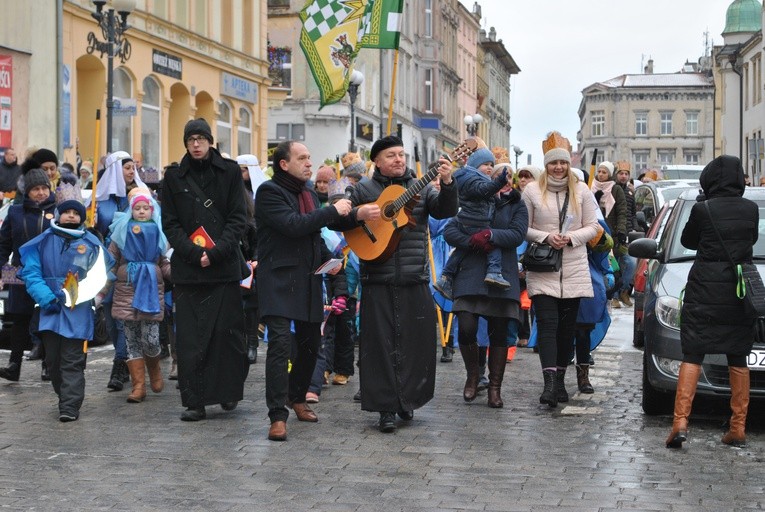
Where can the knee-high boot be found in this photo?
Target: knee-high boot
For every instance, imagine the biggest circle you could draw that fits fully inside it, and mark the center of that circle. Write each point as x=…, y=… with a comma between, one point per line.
x=497, y=363
x=138, y=379
x=686, y=390
x=470, y=358
x=739, y=405
x=155, y=374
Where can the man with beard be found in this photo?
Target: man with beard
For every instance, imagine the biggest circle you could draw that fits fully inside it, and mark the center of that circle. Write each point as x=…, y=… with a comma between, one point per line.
x=397, y=359
x=204, y=217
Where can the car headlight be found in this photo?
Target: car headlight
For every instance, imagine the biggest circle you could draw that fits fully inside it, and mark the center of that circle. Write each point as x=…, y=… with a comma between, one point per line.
x=668, y=311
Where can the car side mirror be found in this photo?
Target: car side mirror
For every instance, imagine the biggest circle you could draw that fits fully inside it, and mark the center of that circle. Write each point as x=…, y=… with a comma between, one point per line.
x=644, y=248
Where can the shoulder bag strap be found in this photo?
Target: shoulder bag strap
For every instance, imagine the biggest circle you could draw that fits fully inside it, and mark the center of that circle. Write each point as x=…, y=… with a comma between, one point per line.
x=740, y=286
x=562, y=213
x=206, y=202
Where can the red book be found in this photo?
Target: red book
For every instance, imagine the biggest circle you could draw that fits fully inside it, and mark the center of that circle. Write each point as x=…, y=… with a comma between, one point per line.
x=201, y=238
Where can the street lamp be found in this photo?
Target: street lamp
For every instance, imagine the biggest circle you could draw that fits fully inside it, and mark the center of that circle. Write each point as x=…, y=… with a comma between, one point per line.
x=518, y=152
x=356, y=79
x=114, y=44
x=471, y=122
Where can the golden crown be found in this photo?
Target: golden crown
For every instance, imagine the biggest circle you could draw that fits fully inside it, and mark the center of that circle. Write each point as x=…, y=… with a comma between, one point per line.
x=555, y=140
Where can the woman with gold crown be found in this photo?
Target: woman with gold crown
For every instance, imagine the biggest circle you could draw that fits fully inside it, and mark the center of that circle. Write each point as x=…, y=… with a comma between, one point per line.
x=563, y=216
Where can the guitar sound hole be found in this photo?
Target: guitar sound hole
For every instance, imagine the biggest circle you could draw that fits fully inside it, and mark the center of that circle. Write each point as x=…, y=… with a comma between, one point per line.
x=388, y=211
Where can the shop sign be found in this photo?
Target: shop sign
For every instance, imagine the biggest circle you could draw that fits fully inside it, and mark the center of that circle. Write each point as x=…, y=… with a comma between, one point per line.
x=6, y=100
x=240, y=88
x=166, y=64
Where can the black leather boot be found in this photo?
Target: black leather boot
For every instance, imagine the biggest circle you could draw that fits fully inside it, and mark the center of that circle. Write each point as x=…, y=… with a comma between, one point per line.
x=470, y=358
x=252, y=348
x=116, y=382
x=562, y=394
x=11, y=372
x=550, y=392
x=36, y=353
x=44, y=373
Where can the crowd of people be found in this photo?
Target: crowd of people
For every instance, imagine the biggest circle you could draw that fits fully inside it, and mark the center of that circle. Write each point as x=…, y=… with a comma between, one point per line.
x=195, y=265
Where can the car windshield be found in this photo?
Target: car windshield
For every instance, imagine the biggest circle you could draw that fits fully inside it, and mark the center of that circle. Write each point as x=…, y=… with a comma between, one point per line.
x=678, y=252
x=680, y=174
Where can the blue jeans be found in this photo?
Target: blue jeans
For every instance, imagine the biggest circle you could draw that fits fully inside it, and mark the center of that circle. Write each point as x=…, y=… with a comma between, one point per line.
x=627, y=266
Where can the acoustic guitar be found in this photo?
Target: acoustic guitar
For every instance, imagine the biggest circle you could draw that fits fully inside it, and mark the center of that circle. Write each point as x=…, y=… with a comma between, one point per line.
x=375, y=241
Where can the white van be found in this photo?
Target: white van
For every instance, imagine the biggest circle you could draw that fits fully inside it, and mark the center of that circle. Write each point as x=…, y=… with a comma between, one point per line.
x=681, y=172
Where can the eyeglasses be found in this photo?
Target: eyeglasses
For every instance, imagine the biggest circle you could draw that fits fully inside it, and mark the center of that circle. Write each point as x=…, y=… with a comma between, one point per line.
x=526, y=175
x=194, y=140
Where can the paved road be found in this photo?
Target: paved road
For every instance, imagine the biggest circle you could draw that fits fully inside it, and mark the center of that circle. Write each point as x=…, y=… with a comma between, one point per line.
x=598, y=453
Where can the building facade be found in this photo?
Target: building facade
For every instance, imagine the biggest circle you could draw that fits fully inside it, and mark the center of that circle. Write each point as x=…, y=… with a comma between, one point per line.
x=739, y=75
x=181, y=60
x=649, y=119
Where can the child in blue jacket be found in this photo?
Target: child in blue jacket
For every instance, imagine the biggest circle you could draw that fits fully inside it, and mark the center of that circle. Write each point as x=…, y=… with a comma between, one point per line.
x=47, y=259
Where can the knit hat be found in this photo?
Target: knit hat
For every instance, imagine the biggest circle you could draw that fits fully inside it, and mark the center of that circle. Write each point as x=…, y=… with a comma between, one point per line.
x=609, y=167
x=197, y=127
x=325, y=173
x=557, y=154
x=391, y=141
x=35, y=178
x=139, y=194
x=43, y=155
x=534, y=170
x=71, y=204
x=480, y=156
x=355, y=170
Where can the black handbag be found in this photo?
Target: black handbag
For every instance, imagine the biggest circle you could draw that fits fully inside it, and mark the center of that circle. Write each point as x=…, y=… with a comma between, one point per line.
x=542, y=257
x=749, y=286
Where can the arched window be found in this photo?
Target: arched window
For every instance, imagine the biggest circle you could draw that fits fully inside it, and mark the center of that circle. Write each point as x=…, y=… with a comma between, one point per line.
x=223, y=139
x=244, y=132
x=122, y=139
x=150, y=123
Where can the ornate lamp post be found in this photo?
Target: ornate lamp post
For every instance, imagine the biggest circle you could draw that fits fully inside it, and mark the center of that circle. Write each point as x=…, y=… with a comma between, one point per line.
x=356, y=79
x=114, y=44
x=471, y=122
x=518, y=152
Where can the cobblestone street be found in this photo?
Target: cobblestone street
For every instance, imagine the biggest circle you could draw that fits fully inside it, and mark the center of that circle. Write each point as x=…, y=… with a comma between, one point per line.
x=598, y=452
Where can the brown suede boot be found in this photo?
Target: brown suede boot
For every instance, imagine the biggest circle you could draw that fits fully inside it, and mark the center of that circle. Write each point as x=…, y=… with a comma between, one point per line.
x=155, y=374
x=739, y=405
x=497, y=363
x=686, y=390
x=138, y=379
x=470, y=358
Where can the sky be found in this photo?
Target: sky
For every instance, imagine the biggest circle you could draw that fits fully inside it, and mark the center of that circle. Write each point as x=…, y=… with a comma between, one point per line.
x=563, y=46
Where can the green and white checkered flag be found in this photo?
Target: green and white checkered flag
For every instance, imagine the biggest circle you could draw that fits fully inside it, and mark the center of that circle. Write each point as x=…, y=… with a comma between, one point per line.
x=382, y=24
x=323, y=16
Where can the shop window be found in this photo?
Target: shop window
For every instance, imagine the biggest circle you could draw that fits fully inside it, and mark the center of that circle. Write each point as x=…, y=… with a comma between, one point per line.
x=150, y=123
x=244, y=132
x=223, y=138
x=122, y=122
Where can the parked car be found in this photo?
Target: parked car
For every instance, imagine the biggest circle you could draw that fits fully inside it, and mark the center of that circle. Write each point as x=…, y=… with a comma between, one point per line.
x=668, y=270
x=651, y=196
x=641, y=272
x=680, y=172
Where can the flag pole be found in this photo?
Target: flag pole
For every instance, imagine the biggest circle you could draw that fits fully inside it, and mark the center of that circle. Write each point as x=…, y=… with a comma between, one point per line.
x=392, y=91
x=442, y=333
x=91, y=216
x=591, y=177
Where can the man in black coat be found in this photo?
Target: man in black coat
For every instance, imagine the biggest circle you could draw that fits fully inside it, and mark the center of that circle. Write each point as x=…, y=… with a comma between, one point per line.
x=290, y=249
x=203, y=199
x=10, y=170
x=397, y=359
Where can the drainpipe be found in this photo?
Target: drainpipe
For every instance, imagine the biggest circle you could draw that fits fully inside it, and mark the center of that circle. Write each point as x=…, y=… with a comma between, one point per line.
x=59, y=77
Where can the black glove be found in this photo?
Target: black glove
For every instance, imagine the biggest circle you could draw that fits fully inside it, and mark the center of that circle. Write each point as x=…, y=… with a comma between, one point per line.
x=598, y=195
x=621, y=237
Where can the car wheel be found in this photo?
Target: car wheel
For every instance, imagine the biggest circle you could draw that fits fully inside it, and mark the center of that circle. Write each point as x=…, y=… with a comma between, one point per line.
x=655, y=402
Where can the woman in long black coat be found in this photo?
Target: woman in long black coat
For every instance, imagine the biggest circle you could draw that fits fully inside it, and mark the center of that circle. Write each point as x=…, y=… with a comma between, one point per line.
x=713, y=318
x=24, y=222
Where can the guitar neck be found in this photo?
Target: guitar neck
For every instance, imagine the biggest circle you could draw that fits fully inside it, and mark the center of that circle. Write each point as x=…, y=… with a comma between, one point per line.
x=417, y=187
